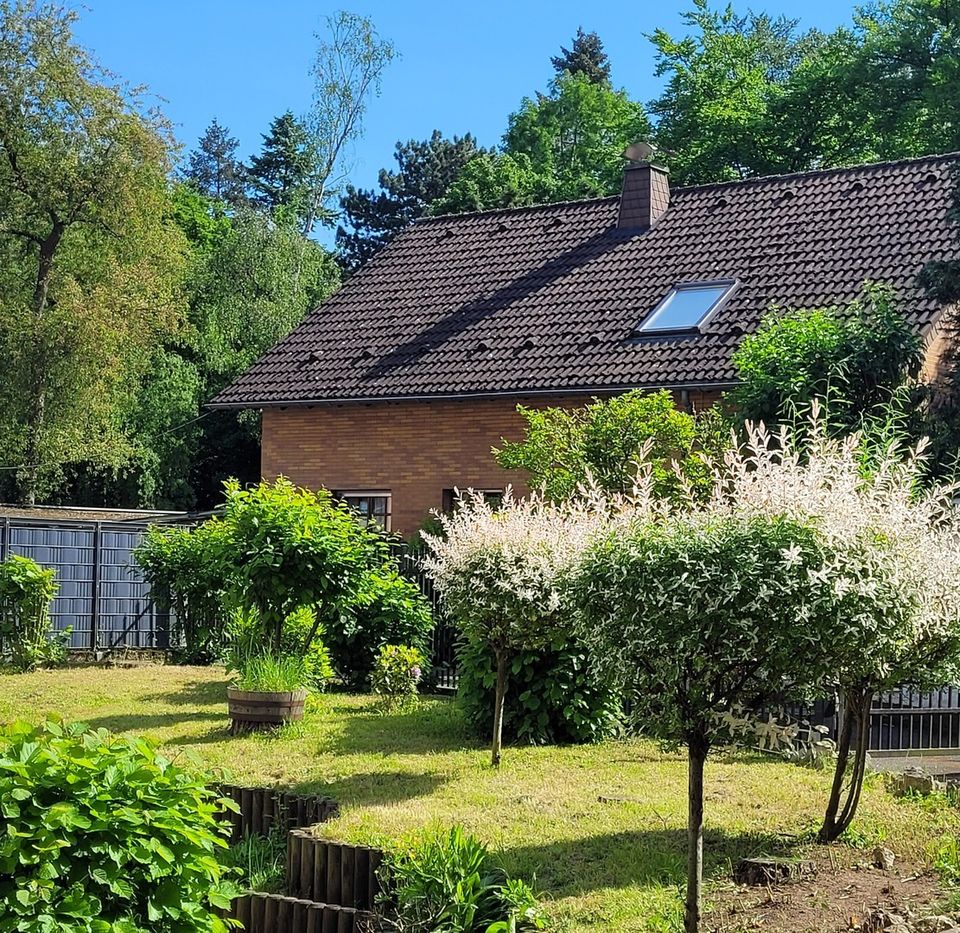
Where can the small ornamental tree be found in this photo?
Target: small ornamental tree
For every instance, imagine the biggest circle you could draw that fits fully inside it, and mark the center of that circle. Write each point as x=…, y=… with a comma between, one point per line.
x=695, y=614
x=896, y=578
x=498, y=573
x=293, y=548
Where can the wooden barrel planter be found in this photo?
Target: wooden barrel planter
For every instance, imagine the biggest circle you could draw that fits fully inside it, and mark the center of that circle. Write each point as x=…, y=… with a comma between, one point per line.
x=252, y=711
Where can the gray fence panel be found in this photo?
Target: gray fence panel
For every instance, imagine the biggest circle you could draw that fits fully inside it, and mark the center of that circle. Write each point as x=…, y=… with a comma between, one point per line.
x=69, y=550
x=102, y=596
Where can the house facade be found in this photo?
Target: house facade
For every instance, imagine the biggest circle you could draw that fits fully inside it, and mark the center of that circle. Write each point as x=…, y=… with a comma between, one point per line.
x=393, y=392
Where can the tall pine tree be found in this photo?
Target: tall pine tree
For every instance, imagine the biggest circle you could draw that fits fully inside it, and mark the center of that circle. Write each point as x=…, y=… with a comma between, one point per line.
x=278, y=175
x=213, y=168
x=585, y=57
x=425, y=170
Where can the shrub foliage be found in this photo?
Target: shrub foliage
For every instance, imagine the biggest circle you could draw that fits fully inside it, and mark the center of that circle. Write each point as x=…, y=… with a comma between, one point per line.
x=26, y=592
x=101, y=834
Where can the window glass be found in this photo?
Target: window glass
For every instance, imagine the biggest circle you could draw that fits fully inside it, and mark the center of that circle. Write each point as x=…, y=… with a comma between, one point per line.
x=685, y=307
x=373, y=507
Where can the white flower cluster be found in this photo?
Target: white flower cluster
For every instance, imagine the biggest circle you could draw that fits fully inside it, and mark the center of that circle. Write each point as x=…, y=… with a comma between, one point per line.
x=498, y=567
x=894, y=541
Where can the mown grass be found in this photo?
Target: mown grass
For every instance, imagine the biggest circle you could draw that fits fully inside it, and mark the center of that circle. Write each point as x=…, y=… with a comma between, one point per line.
x=614, y=865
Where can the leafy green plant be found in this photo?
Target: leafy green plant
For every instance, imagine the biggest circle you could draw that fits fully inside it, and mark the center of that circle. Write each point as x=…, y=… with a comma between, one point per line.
x=292, y=548
x=187, y=572
x=266, y=672
x=608, y=443
x=389, y=610
x=855, y=357
x=26, y=592
x=261, y=860
x=398, y=671
x=553, y=695
x=447, y=884
x=101, y=834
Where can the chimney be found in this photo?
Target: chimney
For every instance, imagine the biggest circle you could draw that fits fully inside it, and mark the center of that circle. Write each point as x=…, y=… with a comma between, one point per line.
x=646, y=189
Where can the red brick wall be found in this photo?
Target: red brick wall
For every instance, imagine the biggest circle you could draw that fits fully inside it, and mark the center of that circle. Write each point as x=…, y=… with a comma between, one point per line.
x=413, y=449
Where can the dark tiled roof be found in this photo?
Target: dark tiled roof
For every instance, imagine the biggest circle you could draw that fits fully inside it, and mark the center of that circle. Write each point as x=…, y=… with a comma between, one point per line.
x=546, y=298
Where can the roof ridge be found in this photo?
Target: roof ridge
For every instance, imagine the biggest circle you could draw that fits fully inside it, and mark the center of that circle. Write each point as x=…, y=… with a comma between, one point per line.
x=427, y=218
x=754, y=179
x=833, y=170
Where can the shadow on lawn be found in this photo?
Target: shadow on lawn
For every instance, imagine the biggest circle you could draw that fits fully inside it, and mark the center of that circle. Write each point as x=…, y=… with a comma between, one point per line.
x=376, y=788
x=195, y=693
x=144, y=723
x=617, y=860
x=433, y=726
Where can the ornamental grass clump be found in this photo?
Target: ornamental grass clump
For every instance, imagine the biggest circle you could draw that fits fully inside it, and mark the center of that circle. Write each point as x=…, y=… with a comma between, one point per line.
x=498, y=571
x=894, y=568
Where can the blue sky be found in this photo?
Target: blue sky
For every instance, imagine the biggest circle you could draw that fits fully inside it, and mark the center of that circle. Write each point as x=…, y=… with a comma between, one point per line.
x=464, y=66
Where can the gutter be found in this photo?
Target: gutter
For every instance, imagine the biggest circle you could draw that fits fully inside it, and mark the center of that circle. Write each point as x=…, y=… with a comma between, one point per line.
x=464, y=396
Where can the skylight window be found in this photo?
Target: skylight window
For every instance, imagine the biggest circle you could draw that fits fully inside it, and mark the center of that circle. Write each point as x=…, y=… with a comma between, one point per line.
x=686, y=307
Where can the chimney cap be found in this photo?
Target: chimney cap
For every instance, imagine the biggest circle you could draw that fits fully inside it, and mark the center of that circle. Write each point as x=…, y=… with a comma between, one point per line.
x=643, y=153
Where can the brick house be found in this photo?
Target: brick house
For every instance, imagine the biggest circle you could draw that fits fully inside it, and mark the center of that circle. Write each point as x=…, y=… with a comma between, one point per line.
x=393, y=392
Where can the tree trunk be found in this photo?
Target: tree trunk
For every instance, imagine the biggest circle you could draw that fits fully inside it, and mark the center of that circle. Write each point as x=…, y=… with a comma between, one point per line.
x=29, y=478
x=856, y=716
x=697, y=749
x=498, y=708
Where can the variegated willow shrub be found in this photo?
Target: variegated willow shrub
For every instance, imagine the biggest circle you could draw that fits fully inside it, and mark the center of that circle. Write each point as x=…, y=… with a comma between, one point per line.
x=499, y=570
x=894, y=568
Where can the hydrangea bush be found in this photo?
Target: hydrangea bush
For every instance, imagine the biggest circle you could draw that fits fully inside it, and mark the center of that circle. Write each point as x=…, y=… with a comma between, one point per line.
x=396, y=675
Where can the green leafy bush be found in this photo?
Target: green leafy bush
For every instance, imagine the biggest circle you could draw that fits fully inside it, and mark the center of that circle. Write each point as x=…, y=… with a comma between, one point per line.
x=554, y=695
x=26, y=591
x=398, y=671
x=101, y=834
x=186, y=570
x=388, y=611
x=855, y=357
x=447, y=884
x=608, y=441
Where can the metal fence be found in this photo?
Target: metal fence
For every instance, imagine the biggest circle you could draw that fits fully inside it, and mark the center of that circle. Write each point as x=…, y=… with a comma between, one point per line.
x=443, y=639
x=906, y=720
x=102, y=597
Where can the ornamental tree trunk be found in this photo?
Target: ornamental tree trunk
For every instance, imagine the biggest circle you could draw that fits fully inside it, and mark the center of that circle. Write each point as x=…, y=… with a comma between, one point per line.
x=697, y=749
x=842, y=807
x=498, y=702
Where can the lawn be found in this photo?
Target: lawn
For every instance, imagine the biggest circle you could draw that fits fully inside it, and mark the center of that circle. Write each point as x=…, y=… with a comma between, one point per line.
x=611, y=864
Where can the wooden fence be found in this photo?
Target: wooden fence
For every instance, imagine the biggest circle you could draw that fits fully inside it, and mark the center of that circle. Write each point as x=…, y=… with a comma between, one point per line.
x=331, y=887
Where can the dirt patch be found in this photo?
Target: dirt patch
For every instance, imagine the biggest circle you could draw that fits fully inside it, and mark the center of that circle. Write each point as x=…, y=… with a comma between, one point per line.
x=841, y=894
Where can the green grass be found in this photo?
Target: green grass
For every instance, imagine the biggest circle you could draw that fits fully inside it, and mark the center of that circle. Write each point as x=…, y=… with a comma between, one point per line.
x=601, y=865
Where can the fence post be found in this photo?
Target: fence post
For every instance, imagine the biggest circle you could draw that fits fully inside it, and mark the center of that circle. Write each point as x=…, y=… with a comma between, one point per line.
x=5, y=538
x=95, y=606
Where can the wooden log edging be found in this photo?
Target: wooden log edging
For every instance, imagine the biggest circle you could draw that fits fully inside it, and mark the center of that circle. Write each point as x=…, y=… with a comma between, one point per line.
x=263, y=808
x=279, y=913
x=332, y=872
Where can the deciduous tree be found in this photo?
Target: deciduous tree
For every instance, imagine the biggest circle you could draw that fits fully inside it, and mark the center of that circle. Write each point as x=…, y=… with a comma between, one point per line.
x=93, y=282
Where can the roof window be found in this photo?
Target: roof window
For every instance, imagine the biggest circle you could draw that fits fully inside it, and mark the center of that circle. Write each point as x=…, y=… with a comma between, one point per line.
x=686, y=307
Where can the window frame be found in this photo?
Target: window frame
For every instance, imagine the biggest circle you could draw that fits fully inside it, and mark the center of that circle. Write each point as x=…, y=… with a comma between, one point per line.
x=371, y=517
x=644, y=330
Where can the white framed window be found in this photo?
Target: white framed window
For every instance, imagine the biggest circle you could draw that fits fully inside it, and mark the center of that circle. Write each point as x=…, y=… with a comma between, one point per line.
x=686, y=307
x=373, y=506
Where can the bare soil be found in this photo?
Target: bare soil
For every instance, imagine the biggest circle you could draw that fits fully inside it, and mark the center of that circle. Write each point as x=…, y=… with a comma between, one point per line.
x=838, y=897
